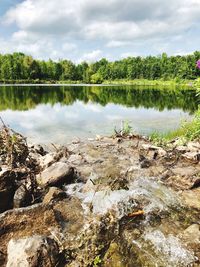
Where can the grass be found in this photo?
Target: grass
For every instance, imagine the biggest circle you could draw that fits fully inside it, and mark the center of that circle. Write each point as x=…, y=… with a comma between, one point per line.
x=158, y=82
x=188, y=131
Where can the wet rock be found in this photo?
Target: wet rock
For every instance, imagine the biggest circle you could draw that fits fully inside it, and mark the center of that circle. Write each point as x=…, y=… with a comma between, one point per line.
x=32, y=251
x=118, y=183
x=54, y=194
x=113, y=257
x=22, y=197
x=57, y=174
x=7, y=188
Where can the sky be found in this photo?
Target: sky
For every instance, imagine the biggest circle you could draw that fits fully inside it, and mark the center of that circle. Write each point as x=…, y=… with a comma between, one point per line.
x=88, y=30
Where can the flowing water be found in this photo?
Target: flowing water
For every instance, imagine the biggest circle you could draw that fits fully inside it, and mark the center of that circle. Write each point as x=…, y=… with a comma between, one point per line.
x=59, y=113
x=152, y=240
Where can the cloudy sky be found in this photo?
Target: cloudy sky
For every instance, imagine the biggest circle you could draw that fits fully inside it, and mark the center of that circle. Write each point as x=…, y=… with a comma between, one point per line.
x=91, y=29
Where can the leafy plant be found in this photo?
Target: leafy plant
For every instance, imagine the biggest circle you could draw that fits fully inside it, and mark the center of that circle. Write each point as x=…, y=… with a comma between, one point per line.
x=97, y=261
x=126, y=128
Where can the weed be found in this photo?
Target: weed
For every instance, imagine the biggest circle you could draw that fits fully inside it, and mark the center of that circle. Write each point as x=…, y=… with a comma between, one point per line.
x=97, y=261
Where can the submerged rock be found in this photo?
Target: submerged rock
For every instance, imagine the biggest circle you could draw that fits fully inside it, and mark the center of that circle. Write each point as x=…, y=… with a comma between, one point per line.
x=32, y=251
x=113, y=257
x=57, y=174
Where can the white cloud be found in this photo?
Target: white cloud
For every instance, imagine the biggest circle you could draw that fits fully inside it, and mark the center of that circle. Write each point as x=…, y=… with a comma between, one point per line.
x=116, y=43
x=82, y=25
x=91, y=56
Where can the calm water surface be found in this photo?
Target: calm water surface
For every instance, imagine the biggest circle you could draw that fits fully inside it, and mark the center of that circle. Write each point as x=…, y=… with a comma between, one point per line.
x=60, y=113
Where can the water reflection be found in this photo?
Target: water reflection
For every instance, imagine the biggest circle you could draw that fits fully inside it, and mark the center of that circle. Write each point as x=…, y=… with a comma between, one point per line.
x=57, y=114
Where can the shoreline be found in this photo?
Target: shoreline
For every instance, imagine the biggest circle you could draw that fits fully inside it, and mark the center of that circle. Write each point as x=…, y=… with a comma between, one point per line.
x=187, y=84
x=76, y=195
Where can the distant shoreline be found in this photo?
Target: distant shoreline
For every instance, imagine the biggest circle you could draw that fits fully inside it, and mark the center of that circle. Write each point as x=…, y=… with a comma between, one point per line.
x=137, y=82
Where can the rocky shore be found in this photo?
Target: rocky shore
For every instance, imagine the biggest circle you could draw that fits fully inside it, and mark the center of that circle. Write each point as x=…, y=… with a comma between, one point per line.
x=111, y=201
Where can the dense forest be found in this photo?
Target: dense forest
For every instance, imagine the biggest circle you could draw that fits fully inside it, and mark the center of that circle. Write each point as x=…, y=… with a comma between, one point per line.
x=18, y=66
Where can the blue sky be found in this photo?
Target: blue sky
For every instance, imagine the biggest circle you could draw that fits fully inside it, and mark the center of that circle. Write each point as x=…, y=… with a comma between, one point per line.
x=91, y=29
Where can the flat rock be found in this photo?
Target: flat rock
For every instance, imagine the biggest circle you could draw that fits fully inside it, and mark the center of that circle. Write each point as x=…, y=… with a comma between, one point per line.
x=57, y=174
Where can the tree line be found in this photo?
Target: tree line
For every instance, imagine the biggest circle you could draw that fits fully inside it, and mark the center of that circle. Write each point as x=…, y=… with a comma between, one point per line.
x=18, y=66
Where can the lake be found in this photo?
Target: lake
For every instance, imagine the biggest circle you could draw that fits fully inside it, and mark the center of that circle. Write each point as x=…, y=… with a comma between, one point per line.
x=58, y=114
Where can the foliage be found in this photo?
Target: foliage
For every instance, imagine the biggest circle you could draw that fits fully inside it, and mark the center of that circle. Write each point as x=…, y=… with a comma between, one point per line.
x=18, y=66
x=13, y=146
x=187, y=132
x=126, y=129
x=97, y=261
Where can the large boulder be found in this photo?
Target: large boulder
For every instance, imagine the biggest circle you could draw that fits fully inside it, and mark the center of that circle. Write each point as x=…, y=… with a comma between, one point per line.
x=7, y=189
x=57, y=174
x=32, y=252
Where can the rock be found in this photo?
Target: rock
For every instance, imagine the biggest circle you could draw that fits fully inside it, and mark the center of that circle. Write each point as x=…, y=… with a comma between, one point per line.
x=194, y=146
x=32, y=251
x=89, y=186
x=40, y=150
x=54, y=193
x=161, y=152
x=22, y=197
x=75, y=159
x=113, y=257
x=185, y=171
x=7, y=189
x=146, y=163
x=181, y=149
x=64, y=217
x=192, y=198
x=193, y=156
x=57, y=174
x=192, y=234
x=47, y=160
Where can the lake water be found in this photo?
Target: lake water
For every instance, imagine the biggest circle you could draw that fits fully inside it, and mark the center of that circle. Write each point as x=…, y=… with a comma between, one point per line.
x=58, y=114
